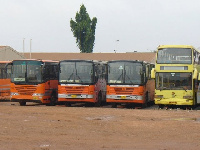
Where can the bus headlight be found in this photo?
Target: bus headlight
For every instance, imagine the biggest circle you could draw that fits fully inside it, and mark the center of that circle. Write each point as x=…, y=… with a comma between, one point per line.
x=188, y=97
x=14, y=94
x=37, y=94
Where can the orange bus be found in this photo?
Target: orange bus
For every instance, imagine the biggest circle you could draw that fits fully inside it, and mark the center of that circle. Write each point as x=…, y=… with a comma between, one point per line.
x=5, y=70
x=129, y=82
x=81, y=81
x=34, y=81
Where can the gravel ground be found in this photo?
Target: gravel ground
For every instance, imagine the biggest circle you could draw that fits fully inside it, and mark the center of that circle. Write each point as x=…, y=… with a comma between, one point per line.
x=39, y=127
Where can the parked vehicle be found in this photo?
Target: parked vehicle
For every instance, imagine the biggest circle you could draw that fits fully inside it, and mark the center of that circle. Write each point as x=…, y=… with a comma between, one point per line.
x=34, y=81
x=81, y=81
x=129, y=82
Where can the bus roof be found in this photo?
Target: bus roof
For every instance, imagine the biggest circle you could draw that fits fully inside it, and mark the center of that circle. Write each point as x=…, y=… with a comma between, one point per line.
x=175, y=46
x=5, y=62
x=127, y=61
x=36, y=60
x=77, y=60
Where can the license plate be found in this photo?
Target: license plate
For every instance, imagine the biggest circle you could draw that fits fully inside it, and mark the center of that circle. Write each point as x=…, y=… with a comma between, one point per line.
x=172, y=102
x=73, y=96
x=123, y=97
x=35, y=98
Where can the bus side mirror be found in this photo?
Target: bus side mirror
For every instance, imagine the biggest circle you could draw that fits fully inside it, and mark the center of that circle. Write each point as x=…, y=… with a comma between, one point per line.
x=153, y=73
x=199, y=77
x=195, y=74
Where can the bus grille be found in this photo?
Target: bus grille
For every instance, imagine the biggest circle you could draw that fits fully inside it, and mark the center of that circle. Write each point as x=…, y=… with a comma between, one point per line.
x=75, y=90
x=123, y=90
x=26, y=90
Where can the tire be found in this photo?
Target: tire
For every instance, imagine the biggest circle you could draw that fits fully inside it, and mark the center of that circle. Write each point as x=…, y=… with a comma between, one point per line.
x=145, y=104
x=114, y=105
x=53, y=100
x=22, y=103
x=99, y=102
x=67, y=104
x=160, y=106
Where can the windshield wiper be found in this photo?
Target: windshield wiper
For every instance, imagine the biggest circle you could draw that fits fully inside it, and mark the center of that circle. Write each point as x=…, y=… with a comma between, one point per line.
x=119, y=77
x=70, y=76
x=129, y=79
x=79, y=78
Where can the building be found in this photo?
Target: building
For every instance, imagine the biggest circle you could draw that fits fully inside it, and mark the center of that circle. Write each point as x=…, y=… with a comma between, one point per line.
x=142, y=56
x=7, y=54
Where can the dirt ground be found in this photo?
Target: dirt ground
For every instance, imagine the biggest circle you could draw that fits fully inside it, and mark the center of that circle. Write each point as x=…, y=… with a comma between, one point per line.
x=39, y=127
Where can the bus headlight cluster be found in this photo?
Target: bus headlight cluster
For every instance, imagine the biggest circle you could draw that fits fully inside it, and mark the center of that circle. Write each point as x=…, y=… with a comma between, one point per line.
x=37, y=94
x=14, y=94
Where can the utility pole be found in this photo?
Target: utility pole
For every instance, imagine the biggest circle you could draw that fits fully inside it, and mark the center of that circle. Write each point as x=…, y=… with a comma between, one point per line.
x=23, y=45
x=30, y=47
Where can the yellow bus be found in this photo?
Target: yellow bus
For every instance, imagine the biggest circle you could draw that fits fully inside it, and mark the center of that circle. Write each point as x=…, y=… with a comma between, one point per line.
x=176, y=71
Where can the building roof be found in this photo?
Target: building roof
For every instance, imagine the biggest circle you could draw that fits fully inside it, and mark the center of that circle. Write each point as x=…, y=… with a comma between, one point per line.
x=7, y=53
x=142, y=56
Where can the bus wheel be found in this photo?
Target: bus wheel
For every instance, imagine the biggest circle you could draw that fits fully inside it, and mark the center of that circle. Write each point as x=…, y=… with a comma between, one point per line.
x=22, y=103
x=161, y=106
x=98, y=103
x=145, y=104
x=114, y=105
x=53, y=100
x=67, y=104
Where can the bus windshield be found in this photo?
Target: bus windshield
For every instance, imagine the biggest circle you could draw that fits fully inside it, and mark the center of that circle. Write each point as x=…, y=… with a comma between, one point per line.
x=76, y=72
x=174, y=56
x=174, y=81
x=26, y=72
x=125, y=73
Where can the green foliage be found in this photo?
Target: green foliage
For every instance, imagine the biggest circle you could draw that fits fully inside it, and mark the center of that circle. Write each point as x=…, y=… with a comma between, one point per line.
x=83, y=29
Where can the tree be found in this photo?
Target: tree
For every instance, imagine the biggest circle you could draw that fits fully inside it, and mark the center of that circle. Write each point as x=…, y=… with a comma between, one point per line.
x=83, y=29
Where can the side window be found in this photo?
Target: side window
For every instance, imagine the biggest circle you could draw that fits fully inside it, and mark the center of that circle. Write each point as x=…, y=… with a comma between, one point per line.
x=55, y=71
x=8, y=71
x=1, y=73
x=46, y=72
x=51, y=71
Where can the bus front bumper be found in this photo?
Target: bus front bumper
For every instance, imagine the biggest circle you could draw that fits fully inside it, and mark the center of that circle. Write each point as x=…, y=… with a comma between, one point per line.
x=174, y=101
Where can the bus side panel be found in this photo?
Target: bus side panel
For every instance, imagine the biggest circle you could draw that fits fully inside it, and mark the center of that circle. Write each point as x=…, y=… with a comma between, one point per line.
x=5, y=89
x=150, y=88
x=51, y=88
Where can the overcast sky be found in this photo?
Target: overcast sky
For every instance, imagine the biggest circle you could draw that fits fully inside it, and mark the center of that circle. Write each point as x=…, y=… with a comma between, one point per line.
x=122, y=25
